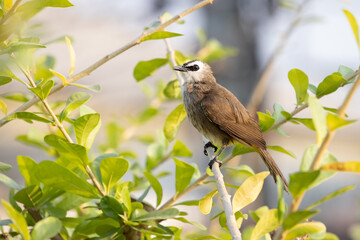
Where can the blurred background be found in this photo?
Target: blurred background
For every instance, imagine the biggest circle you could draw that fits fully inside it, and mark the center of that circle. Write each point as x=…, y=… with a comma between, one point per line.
x=317, y=45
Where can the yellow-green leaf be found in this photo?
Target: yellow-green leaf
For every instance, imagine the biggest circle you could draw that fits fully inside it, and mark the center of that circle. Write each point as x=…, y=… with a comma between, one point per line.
x=302, y=229
x=18, y=220
x=173, y=122
x=351, y=166
x=354, y=26
x=160, y=35
x=59, y=75
x=72, y=55
x=300, y=81
x=267, y=223
x=319, y=118
x=248, y=191
x=334, y=121
x=3, y=107
x=205, y=204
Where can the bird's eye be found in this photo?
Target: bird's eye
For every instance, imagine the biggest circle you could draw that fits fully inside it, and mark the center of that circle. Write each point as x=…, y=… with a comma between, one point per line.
x=196, y=67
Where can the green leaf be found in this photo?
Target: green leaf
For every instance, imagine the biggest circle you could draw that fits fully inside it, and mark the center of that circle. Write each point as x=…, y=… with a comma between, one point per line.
x=331, y=195
x=265, y=121
x=299, y=80
x=71, y=54
x=351, y=166
x=303, y=181
x=18, y=221
x=155, y=184
x=27, y=168
x=29, y=196
x=312, y=88
x=43, y=64
x=112, y=169
x=70, y=150
x=334, y=121
x=147, y=114
x=282, y=150
x=86, y=128
x=3, y=107
x=160, y=35
x=28, y=117
x=111, y=207
x=205, y=204
x=308, y=122
x=20, y=45
x=277, y=113
x=156, y=151
x=183, y=175
x=241, y=149
x=43, y=89
x=319, y=118
x=31, y=8
x=158, y=215
x=346, y=72
x=5, y=80
x=72, y=103
x=145, y=69
x=125, y=198
x=330, y=84
x=93, y=88
x=9, y=182
x=267, y=223
x=4, y=167
x=248, y=191
x=173, y=122
x=19, y=97
x=46, y=228
x=308, y=228
x=296, y=217
x=309, y=155
x=56, y=176
x=172, y=89
x=354, y=25
x=180, y=150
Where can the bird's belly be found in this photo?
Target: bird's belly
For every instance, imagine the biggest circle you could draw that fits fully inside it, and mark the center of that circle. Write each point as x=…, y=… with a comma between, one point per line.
x=207, y=128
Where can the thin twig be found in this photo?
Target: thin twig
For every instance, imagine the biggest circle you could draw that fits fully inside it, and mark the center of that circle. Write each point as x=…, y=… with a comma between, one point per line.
x=108, y=57
x=262, y=84
x=10, y=12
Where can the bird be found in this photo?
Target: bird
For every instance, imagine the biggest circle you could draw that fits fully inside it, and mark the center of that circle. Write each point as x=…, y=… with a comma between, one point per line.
x=219, y=116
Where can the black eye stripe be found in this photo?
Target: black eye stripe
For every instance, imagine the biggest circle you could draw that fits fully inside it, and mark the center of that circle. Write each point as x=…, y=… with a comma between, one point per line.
x=193, y=67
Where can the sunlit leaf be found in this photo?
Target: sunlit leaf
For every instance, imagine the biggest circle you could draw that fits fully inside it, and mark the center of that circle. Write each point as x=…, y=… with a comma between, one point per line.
x=112, y=170
x=94, y=88
x=331, y=195
x=334, y=121
x=308, y=228
x=28, y=117
x=159, y=214
x=205, y=204
x=3, y=107
x=18, y=221
x=330, y=84
x=309, y=156
x=282, y=150
x=319, y=118
x=248, y=191
x=43, y=89
x=56, y=176
x=5, y=80
x=308, y=122
x=60, y=76
x=173, y=122
x=241, y=149
x=297, y=217
x=299, y=80
x=265, y=121
x=145, y=69
x=72, y=55
x=183, y=174
x=46, y=228
x=29, y=196
x=172, y=89
x=302, y=181
x=86, y=128
x=160, y=35
x=43, y=64
x=72, y=103
x=181, y=150
x=267, y=223
x=9, y=182
x=27, y=168
x=354, y=26
x=155, y=184
x=351, y=166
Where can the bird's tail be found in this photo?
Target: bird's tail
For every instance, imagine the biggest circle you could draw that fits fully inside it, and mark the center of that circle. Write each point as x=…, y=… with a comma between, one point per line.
x=270, y=163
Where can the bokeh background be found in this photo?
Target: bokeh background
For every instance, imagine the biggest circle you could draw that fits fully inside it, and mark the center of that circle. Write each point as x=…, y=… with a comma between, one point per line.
x=318, y=45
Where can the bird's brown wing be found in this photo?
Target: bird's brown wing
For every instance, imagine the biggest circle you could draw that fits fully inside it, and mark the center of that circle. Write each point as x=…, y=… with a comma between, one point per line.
x=225, y=110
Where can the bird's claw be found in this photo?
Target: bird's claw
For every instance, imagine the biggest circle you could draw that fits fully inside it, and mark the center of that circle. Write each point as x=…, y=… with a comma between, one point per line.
x=209, y=144
x=211, y=163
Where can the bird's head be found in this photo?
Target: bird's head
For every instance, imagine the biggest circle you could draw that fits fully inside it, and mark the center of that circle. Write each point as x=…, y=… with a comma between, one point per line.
x=196, y=71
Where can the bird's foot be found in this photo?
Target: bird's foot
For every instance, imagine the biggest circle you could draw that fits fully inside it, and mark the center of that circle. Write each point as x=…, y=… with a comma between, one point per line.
x=211, y=163
x=209, y=144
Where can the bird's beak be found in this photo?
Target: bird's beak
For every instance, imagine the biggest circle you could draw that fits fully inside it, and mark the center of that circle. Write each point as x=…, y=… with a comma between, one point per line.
x=180, y=68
